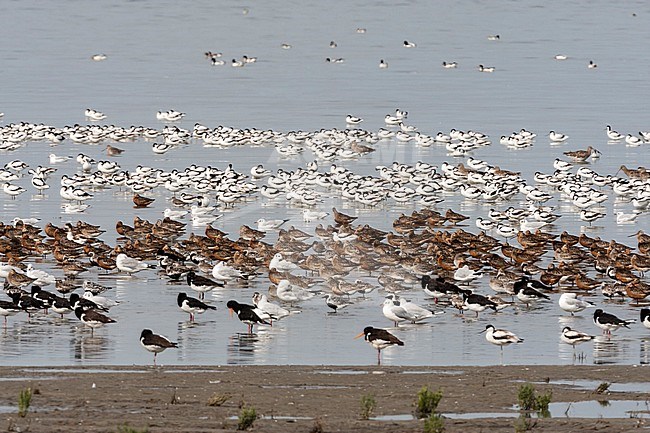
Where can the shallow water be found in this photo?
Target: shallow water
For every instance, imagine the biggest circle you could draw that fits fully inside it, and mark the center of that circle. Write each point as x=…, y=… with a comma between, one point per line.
x=155, y=62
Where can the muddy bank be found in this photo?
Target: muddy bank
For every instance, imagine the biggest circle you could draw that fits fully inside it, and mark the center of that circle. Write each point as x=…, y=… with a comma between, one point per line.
x=291, y=399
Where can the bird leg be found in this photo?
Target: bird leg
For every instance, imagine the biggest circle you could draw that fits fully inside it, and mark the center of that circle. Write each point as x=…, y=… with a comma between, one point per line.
x=154, y=359
x=378, y=356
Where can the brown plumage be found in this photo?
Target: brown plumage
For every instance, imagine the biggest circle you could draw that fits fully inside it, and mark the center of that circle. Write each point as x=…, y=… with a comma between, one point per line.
x=341, y=218
x=141, y=201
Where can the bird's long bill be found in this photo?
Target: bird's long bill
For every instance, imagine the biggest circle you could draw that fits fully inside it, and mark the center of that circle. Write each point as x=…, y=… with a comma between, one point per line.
x=231, y=311
x=359, y=336
x=482, y=331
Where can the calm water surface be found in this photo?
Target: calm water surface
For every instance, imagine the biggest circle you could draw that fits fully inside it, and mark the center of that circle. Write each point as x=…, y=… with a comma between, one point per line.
x=155, y=62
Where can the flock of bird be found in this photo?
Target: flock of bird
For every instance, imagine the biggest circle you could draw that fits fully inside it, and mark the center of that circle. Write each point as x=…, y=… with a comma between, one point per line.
x=215, y=57
x=431, y=248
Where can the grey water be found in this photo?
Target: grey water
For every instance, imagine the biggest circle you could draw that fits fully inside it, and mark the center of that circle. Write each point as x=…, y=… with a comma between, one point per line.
x=155, y=61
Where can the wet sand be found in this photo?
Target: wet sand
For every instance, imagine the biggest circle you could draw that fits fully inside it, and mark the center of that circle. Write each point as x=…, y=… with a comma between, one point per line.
x=174, y=399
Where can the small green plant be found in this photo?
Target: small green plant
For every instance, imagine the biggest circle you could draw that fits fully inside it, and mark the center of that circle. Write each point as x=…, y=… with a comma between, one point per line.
x=524, y=424
x=542, y=402
x=526, y=397
x=435, y=423
x=602, y=388
x=529, y=399
x=24, y=400
x=127, y=429
x=247, y=417
x=368, y=405
x=427, y=402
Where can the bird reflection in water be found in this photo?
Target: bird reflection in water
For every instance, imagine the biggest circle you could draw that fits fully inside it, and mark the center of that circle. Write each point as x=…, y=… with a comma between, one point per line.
x=608, y=351
x=87, y=347
x=191, y=338
x=241, y=348
x=644, y=351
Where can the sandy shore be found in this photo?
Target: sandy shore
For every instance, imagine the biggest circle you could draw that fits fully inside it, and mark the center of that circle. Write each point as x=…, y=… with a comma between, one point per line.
x=290, y=399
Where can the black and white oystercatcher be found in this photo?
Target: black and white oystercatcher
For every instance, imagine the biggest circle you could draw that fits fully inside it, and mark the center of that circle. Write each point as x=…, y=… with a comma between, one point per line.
x=246, y=313
x=379, y=339
x=201, y=284
x=92, y=318
x=155, y=343
x=192, y=305
x=608, y=322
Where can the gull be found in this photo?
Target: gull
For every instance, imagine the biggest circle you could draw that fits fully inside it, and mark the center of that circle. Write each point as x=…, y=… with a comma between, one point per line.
x=279, y=264
x=98, y=57
x=290, y=293
x=560, y=57
x=557, y=137
x=394, y=311
x=312, y=215
x=100, y=300
x=412, y=312
x=30, y=221
x=266, y=225
x=130, y=265
x=626, y=218
x=175, y=214
x=466, y=274
x=41, y=278
x=54, y=159
x=569, y=302
x=204, y=220
x=221, y=271
x=273, y=310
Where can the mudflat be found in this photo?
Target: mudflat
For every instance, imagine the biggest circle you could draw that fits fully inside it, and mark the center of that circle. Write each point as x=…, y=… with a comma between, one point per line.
x=310, y=398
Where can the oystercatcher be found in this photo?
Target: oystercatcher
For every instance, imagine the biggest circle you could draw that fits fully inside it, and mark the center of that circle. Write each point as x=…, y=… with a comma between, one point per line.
x=247, y=314
x=201, y=284
x=192, y=305
x=379, y=339
x=92, y=318
x=8, y=309
x=155, y=343
x=608, y=322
